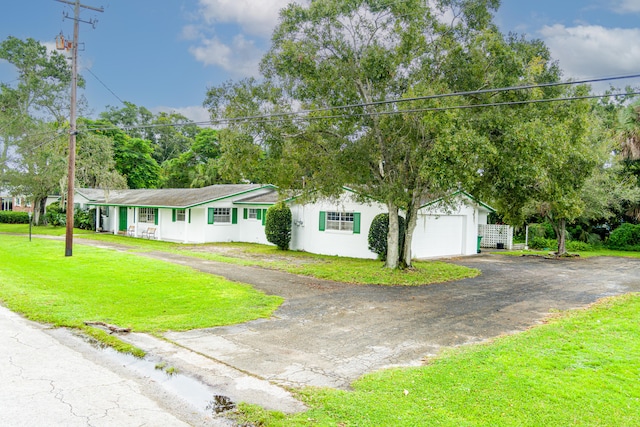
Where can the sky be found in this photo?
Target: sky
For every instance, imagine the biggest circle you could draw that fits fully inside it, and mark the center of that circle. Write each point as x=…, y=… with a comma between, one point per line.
x=163, y=55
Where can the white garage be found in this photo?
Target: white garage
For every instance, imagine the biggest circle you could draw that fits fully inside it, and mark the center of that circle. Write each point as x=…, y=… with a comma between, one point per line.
x=439, y=236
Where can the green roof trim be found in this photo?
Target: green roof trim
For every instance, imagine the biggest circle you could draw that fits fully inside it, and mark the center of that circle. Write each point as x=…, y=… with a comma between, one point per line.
x=458, y=193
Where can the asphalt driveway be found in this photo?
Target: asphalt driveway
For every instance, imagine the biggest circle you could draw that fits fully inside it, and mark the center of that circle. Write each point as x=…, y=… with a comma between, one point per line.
x=329, y=334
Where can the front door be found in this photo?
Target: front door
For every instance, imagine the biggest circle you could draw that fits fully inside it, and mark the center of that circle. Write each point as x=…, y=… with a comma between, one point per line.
x=123, y=218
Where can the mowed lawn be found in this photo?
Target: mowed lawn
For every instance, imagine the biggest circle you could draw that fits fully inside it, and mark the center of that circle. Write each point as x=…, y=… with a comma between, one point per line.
x=123, y=289
x=580, y=369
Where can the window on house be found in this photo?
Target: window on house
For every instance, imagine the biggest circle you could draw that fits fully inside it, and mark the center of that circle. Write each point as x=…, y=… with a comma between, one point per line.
x=221, y=215
x=147, y=215
x=18, y=201
x=342, y=221
x=252, y=213
x=180, y=214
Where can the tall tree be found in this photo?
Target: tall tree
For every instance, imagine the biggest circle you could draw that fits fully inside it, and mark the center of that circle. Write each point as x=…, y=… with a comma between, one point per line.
x=30, y=154
x=332, y=54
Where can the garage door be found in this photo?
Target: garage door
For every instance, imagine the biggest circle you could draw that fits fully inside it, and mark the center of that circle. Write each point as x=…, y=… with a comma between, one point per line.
x=438, y=236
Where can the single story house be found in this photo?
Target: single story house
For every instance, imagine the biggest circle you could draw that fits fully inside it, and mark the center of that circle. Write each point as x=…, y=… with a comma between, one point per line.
x=237, y=212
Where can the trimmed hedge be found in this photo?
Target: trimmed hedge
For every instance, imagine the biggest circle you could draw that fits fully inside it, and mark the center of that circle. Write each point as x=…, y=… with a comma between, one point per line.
x=277, y=226
x=378, y=235
x=11, y=217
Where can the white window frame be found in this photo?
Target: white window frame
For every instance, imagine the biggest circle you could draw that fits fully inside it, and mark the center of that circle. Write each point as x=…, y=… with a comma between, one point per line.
x=252, y=213
x=18, y=201
x=147, y=215
x=222, y=215
x=181, y=215
x=339, y=221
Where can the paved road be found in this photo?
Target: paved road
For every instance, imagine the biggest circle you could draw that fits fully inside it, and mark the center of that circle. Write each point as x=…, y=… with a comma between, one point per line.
x=328, y=334
x=50, y=378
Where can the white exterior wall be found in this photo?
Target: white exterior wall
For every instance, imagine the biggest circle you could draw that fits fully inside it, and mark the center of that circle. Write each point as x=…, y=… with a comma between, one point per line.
x=252, y=230
x=306, y=234
x=442, y=232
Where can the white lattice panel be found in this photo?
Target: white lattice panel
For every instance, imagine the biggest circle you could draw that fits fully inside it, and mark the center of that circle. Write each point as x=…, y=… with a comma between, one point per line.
x=492, y=234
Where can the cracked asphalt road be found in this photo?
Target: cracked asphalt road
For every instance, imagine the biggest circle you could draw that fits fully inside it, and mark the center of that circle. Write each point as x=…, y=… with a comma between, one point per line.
x=329, y=334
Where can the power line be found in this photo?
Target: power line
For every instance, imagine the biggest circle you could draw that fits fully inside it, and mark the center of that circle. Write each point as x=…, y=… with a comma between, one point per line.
x=300, y=113
x=105, y=86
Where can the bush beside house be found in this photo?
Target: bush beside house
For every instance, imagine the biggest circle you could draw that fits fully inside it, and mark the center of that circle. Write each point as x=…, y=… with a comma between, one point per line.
x=378, y=235
x=11, y=217
x=278, y=225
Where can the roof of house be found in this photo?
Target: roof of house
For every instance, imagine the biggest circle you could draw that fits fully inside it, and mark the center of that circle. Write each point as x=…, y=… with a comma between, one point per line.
x=430, y=202
x=169, y=198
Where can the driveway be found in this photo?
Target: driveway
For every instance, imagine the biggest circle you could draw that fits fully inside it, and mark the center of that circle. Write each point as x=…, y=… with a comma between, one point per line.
x=329, y=334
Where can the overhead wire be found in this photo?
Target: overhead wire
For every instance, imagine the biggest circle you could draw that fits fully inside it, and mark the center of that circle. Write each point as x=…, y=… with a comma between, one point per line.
x=303, y=115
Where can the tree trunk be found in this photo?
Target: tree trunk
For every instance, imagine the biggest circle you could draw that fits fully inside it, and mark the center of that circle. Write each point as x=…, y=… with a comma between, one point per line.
x=392, y=237
x=561, y=236
x=410, y=225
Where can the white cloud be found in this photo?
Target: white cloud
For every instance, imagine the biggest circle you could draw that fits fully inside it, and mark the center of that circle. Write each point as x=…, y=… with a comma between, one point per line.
x=627, y=6
x=594, y=51
x=241, y=57
x=254, y=17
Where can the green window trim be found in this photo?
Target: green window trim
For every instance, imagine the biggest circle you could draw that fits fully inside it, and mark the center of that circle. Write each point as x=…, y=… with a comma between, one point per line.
x=234, y=215
x=210, y=216
x=189, y=216
x=155, y=216
x=173, y=215
x=264, y=216
x=245, y=213
x=323, y=220
x=259, y=214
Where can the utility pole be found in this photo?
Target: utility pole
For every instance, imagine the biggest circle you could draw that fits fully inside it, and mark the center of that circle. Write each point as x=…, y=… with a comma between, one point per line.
x=72, y=117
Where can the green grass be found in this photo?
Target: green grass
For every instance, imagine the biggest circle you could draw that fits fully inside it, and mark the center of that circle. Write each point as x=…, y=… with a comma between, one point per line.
x=340, y=269
x=40, y=230
x=95, y=284
x=580, y=369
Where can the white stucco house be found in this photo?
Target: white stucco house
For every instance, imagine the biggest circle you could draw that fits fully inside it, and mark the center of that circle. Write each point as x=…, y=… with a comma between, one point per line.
x=237, y=212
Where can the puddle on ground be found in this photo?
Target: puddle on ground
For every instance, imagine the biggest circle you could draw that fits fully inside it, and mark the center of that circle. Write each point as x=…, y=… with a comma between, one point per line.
x=194, y=392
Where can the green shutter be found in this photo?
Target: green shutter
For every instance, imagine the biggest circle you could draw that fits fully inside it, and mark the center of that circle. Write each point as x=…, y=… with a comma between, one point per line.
x=258, y=213
x=210, y=216
x=155, y=216
x=234, y=215
x=323, y=220
x=189, y=216
x=356, y=223
x=264, y=216
x=173, y=215
x=245, y=215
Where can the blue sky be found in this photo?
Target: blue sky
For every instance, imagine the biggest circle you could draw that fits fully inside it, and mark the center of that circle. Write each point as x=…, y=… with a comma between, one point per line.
x=164, y=55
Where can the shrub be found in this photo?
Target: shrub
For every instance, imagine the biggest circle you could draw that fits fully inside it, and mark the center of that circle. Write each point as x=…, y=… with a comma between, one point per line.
x=278, y=225
x=577, y=246
x=543, y=243
x=10, y=217
x=378, y=235
x=544, y=230
x=84, y=219
x=55, y=216
x=625, y=238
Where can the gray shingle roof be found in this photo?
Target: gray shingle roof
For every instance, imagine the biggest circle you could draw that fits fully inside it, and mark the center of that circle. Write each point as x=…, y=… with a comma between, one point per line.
x=170, y=197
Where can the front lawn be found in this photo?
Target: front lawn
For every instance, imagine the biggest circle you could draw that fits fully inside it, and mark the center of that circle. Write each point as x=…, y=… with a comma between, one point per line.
x=339, y=269
x=580, y=369
x=95, y=284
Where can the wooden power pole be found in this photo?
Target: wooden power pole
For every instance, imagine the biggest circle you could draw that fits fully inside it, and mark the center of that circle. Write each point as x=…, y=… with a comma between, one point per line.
x=72, y=117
